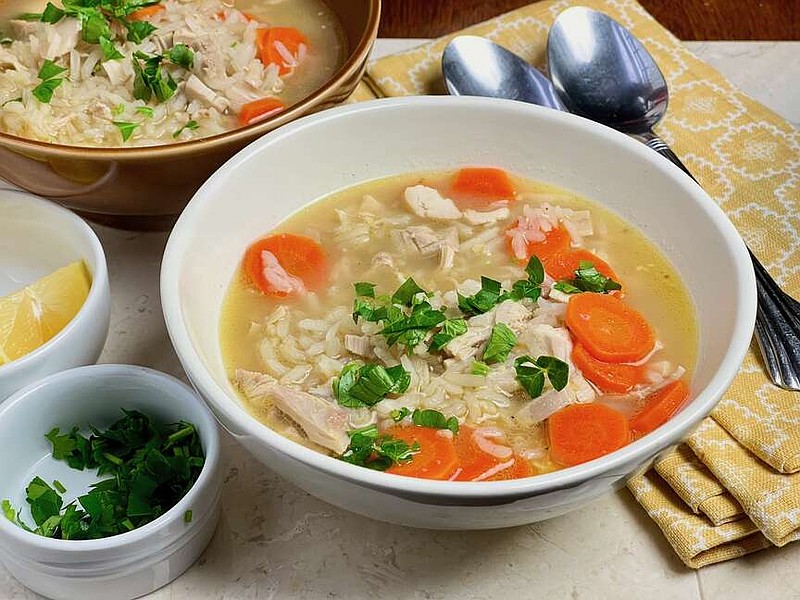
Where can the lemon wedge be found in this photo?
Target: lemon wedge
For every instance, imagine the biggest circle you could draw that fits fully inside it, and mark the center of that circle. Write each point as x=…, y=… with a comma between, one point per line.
x=33, y=315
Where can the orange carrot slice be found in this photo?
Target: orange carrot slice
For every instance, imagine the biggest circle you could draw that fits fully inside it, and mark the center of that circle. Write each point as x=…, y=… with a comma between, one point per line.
x=299, y=256
x=660, y=407
x=609, y=377
x=582, y=432
x=258, y=110
x=436, y=458
x=268, y=52
x=556, y=241
x=146, y=13
x=472, y=461
x=476, y=187
x=519, y=470
x=562, y=265
x=609, y=329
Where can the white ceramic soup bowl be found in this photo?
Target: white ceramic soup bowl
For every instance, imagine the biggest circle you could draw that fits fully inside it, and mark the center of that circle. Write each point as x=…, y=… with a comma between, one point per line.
x=38, y=237
x=122, y=566
x=298, y=164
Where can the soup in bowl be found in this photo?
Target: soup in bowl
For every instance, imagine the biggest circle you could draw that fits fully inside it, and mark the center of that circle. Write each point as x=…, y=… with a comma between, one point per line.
x=121, y=108
x=475, y=313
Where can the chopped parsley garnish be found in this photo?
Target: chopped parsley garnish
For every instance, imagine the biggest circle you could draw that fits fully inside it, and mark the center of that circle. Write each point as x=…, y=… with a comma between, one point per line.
x=398, y=414
x=480, y=368
x=490, y=294
x=531, y=373
x=532, y=287
x=451, y=329
x=182, y=55
x=401, y=326
x=405, y=293
x=11, y=100
x=367, y=384
x=110, y=51
x=151, y=79
x=588, y=279
x=125, y=128
x=566, y=287
x=191, y=126
x=150, y=467
x=429, y=417
x=138, y=31
x=187, y=516
x=49, y=74
x=145, y=110
x=52, y=14
x=371, y=449
x=367, y=290
x=501, y=341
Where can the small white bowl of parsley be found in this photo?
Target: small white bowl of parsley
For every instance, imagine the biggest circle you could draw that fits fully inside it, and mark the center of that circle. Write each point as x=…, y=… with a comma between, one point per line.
x=111, y=485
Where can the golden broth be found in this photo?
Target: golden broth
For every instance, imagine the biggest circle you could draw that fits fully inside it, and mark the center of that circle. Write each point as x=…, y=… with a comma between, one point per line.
x=651, y=284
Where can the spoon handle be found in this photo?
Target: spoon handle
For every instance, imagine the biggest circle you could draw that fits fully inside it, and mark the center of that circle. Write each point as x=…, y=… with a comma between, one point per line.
x=778, y=317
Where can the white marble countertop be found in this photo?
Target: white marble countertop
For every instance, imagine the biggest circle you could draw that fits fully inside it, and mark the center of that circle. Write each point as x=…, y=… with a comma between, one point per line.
x=275, y=541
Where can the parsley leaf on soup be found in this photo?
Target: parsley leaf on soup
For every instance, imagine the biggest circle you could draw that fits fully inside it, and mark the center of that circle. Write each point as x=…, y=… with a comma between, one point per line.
x=429, y=417
x=125, y=128
x=369, y=448
x=485, y=299
x=364, y=289
x=110, y=51
x=182, y=55
x=588, y=279
x=531, y=373
x=501, y=341
x=138, y=31
x=451, y=329
x=367, y=384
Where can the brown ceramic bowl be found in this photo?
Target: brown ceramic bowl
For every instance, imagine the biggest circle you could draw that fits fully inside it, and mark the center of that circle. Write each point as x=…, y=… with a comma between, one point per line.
x=147, y=188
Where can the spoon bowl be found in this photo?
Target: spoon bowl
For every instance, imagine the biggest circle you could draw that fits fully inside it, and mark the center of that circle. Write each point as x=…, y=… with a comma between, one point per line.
x=475, y=66
x=602, y=72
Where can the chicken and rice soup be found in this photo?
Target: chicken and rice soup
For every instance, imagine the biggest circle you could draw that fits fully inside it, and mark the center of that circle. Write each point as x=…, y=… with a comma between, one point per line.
x=471, y=326
x=146, y=72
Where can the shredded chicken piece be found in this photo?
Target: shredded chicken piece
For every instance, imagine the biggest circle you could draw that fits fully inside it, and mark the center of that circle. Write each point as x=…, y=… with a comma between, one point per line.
x=277, y=277
x=324, y=422
x=197, y=90
x=115, y=71
x=357, y=344
x=479, y=328
x=62, y=38
x=428, y=203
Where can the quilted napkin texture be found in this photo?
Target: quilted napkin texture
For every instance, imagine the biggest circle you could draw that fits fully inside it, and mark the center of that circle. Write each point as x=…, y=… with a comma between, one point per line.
x=748, y=159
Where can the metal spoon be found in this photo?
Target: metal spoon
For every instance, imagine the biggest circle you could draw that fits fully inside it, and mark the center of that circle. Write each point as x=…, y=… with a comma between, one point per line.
x=602, y=72
x=475, y=66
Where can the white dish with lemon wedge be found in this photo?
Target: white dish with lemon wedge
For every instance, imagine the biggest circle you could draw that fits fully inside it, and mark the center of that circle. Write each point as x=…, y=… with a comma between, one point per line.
x=54, y=292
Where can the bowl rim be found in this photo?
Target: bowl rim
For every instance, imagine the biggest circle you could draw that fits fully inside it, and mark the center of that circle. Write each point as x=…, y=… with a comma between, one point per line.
x=221, y=402
x=88, y=374
x=354, y=61
x=98, y=289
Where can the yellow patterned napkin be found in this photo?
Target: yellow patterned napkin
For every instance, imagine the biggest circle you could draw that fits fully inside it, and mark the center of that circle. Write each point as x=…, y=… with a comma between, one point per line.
x=770, y=499
x=696, y=541
x=696, y=486
x=748, y=159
